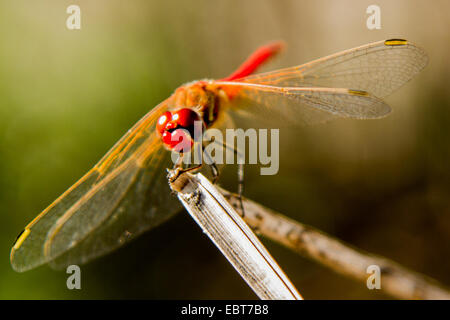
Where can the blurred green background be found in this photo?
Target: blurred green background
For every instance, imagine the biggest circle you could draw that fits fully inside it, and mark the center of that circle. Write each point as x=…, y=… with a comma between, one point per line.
x=67, y=96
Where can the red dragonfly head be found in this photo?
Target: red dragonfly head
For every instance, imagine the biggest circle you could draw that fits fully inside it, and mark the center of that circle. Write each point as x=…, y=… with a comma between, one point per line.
x=177, y=129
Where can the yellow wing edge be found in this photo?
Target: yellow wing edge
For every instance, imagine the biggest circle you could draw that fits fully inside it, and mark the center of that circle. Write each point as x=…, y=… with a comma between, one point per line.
x=355, y=92
x=396, y=42
x=101, y=167
x=21, y=238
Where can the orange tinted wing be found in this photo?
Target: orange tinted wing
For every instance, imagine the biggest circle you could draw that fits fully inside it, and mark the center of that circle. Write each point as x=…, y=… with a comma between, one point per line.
x=125, y=194
x=302, y=105
x=379, y=68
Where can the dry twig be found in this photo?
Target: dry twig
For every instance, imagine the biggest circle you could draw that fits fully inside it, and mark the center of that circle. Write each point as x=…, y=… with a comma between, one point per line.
x=396, y=280
x=232, y=236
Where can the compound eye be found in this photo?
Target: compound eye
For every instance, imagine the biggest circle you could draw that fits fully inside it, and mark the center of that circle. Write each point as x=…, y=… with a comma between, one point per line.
x=185, y=117
x=178, y=140
x=163, y=120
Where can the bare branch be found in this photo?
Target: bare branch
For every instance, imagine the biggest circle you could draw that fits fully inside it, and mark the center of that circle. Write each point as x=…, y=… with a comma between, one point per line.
x=232, y=236
x=342, y=258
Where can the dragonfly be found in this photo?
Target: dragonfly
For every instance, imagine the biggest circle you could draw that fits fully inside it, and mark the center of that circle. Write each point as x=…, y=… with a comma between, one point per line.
x=127, y=193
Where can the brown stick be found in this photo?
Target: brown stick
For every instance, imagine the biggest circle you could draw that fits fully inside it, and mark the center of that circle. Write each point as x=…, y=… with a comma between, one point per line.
x=396, y=280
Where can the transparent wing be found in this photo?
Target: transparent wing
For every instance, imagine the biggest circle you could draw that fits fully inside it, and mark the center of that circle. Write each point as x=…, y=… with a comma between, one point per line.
x=125, y=194
x=379, y=68
x=147, y=203
x=302, y=105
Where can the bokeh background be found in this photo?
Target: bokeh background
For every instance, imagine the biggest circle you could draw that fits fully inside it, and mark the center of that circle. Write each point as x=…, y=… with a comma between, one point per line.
x=67, y=96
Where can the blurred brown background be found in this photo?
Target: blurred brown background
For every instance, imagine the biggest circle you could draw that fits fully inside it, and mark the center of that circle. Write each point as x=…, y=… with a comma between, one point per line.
x=67, y=96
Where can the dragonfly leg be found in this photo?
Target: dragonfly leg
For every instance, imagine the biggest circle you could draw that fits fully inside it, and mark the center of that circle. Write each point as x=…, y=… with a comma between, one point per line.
x=240, y=173
x=212, y=165
x=240, y=176
x=178, y=167
x=241, y=187
x=178, y=163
